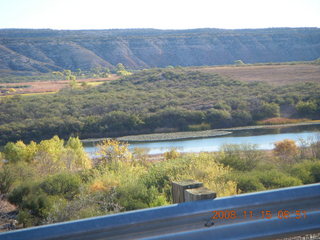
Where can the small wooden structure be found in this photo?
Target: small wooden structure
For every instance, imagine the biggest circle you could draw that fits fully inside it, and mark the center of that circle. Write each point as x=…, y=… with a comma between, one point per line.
x=190, y=190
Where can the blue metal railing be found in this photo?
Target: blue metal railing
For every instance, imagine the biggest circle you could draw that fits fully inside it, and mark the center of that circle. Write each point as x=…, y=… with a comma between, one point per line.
x=268, y=214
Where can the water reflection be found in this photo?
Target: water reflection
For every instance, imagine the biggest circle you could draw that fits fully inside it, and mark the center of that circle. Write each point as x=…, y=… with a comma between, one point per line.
x=264, y=138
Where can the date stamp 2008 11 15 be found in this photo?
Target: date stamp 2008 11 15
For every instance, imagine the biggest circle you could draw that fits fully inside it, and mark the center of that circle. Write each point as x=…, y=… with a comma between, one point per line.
x=263, y=214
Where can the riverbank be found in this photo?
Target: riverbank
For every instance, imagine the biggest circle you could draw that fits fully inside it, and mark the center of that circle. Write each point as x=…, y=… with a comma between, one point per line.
x=158, y=137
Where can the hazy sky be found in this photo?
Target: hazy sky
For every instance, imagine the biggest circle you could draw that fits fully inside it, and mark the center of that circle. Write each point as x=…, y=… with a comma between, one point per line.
x=162, y=14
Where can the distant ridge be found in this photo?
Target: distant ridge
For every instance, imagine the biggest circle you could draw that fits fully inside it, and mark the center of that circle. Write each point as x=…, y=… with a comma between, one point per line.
x=45, y=50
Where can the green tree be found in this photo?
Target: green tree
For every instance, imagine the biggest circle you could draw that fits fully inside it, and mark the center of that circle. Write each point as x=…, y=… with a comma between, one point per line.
x=266, y=110
x=242, y=157
x=112, y=152
x=119, y=121
x=241, y=118
x=15, y=152
x=58, y=75
x=172, y=154
x=307, y=109
x=80, y=159
x=79, y=72
x=218, y=118
x=67, y=73
x=6, y=179
x=64, y=184
x=32, y=202
x=121, y=70
x=239, y=62
x=73, y=83
x=286, y=150
x=120, y=67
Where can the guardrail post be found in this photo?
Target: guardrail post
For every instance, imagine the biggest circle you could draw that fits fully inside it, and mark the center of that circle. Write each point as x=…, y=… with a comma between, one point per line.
x=200, y=193
x=178, y=189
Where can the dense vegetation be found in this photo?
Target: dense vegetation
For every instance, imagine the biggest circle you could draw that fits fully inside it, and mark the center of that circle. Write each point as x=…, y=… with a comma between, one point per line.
x=55, y=181
x=156, y=100
x=44, y=50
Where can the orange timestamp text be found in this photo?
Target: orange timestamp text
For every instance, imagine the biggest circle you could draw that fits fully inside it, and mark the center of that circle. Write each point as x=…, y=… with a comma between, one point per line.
x=263, y=214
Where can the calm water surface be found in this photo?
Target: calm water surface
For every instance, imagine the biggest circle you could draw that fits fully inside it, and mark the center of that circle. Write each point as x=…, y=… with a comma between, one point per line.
x=263, y=138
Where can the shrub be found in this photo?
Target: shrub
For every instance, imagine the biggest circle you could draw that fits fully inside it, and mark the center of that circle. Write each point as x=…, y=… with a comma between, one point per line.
x=49, y=156
x=64, y=184
x=266, y=110
x=218, y=118
x=159, y=176
x=279, y=120
x=135, y=195
x=200, y=167
x=33, y=204
x=306, y=109
x=6, y=179
x=239, y=62
x=315, y=147
x=172, y=154
x=286, y=150
x=15, y=152
x=242, y=157
x=303, y=172
x=315, y=172
x=112, y=152
x=249, y=183
x=199, y=127
x=78, y=158
x=241, y=118
x=275, y=179
x=16, y=196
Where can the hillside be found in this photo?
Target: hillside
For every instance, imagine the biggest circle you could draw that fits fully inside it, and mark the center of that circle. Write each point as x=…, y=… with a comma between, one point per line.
x=151, y=101
x=26, y=51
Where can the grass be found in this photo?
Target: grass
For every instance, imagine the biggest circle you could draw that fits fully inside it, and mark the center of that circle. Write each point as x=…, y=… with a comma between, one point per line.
x=278, y=120
x=173, y=136
x=93, y=84
x=15, y=86
x=33, y=94
x=45, y=86
x=277, y=74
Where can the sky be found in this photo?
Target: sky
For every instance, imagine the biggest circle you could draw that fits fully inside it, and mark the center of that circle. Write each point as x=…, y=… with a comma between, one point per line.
x=159, y=14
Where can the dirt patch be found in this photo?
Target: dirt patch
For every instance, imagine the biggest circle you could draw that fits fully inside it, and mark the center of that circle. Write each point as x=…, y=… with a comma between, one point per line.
x=7, y=215
x=49, y=86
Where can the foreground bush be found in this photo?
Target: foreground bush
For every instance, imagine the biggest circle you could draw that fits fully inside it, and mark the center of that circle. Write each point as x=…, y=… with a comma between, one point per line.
x=244, y=157
x=64, y=184
x=307, y=171
x=286, y=150
x=200, y=167
x=49, y=156
x=248, y=183
x=120, y=181
x=275, y=179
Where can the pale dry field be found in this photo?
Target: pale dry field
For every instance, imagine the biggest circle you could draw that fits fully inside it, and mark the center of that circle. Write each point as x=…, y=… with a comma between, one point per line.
x=273, y=74
x=52, y=86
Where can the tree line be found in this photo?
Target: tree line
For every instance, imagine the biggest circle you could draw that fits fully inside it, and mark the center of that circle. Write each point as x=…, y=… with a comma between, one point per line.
x=156, y=100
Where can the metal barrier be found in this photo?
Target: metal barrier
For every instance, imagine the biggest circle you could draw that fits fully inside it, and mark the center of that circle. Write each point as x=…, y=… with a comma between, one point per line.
x=268, y=214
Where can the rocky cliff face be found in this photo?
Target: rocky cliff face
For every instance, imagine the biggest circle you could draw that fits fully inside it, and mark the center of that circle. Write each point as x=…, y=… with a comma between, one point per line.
x=48, y=50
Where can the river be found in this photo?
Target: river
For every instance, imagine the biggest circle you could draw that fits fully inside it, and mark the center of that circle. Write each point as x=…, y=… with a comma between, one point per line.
x=263, y=138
